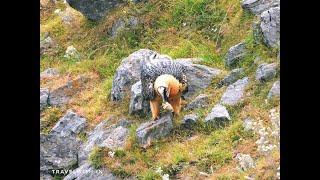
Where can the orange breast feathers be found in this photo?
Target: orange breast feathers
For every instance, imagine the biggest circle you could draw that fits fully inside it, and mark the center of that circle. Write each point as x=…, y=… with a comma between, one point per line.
x=170, y=82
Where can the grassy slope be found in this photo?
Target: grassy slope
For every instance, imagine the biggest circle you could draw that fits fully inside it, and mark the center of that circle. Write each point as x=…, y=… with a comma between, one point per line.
x=211, y=28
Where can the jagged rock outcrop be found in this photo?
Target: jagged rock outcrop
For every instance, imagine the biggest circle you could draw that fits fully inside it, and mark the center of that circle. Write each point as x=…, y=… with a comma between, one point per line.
x=235, y=54
x=44, y=95
x=59, y=149
x=258, y=6
x=153, y=130
x=189, y=120
x=199, y=76
x=112, y=136
x=57, y=152
x=218, y=115
x=266, y=72
x=275, y=90
x=95, y=10
x=87, y=171
x=62, y=94
x=201, y=101
x=232, y=77
x=128, y=73
x=137, y=104
x=234, y=92
x=270, y=27
x=71, y=123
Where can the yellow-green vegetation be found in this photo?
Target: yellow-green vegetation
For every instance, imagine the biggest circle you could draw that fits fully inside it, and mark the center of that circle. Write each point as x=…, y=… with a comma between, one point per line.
x=180, y=29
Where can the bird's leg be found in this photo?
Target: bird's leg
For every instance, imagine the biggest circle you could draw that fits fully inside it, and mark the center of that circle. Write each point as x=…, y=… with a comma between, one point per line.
x=155, y=108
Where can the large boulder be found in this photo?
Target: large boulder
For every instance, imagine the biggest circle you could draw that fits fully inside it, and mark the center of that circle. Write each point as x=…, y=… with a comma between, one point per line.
x=112, y=136
x=232, y=77
x=199, y=76
x=218, y=115
x=266, y=72
x=95, y=10
x=235, y=54
x=258, y=6
x=275, y=90
x=270, y=27
x=71, y=123
x=87, y=171
x=57, y=152
x=153, y=130
x=137, y=104
x=62, y=94
x=128, y=73
x=234, y=92
x=44, y=95
x=201, y=101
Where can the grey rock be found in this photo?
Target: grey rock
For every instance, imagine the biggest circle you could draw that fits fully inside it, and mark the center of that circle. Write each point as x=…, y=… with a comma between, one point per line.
x=86, y=171
x=104, y=135
x=44, y=95
x=47, y=45
x=62, y=94
x=116, y=138
x=189, y=120
x=199, y=76
x=94, y=10
x=69, y=124
x=67, y=16
x=266, y=72
x=117, y=26
x=248, y=124
x=275, y=90
x=234, y=92
x=245, y=161
x=57, y=152
x=133, y=21
x=48, y=73
x=200, y=101
x=219, y=114
x=137, y=104
x=232, y=77
x=258, y=6
x=128, y=73
x=121, y=24
x=124, y=123
x=235, y=54
x=72, y=53
x=270, y=27
x=153, y=130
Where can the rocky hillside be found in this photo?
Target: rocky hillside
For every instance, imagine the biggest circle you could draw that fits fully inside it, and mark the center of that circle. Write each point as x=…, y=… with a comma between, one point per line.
x=94, y=122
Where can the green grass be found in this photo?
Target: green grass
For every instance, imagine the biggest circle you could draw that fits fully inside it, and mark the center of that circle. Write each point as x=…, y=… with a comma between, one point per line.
x=181, y=29
x=96, y=157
